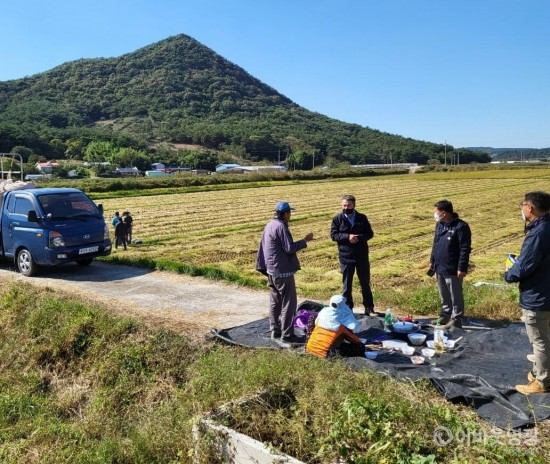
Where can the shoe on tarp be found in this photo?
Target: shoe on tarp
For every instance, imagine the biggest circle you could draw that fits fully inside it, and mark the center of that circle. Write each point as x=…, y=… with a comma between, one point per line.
x=531, y=388
x=441, y=320
x=289, y=342
x=457, y=323
x=531, y=357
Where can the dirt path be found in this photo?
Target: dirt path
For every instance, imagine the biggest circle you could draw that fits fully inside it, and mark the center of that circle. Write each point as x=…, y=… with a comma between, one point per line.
x=179, y=302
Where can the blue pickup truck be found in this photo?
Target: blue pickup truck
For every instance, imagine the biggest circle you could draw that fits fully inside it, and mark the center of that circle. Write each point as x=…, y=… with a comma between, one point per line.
x=51, y=226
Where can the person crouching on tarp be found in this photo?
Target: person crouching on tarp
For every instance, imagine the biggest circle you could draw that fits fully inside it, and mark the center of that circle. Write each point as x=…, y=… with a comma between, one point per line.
x=333, y=331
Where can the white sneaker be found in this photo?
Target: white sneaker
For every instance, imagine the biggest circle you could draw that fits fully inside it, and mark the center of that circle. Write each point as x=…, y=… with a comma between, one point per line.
x=531, y=358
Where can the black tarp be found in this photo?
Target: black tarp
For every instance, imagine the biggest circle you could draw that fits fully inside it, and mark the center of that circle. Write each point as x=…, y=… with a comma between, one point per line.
x=480, y=371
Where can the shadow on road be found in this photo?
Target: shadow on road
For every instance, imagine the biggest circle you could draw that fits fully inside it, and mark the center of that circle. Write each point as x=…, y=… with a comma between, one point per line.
x=95, y=272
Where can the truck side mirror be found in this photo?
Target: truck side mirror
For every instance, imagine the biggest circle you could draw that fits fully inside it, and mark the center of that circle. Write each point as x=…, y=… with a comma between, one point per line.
x=31, y=216
x=100, y=208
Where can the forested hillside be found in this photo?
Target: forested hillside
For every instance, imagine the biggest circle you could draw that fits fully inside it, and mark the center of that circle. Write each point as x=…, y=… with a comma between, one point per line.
x=178, y=91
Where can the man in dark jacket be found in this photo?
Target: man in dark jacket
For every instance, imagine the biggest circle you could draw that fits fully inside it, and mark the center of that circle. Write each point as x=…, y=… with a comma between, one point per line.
x=352, y=230
x=449, y=261
x=532, y=271
x=128, y=222
x=278, y=261
x=120, y=234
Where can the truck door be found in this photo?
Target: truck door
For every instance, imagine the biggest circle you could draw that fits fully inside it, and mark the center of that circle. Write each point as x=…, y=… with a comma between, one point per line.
x=16, y=230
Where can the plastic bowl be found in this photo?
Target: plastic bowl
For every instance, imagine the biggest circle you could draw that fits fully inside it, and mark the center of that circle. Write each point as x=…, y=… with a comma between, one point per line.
x=416, y=338
x=430, y=343
x=427, y=352
x=450, y=344
x=417, y=359
x=371, y=354
x=408, y=350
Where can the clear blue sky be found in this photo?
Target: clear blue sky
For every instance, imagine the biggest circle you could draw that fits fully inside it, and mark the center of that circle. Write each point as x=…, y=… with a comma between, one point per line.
x=465, y=72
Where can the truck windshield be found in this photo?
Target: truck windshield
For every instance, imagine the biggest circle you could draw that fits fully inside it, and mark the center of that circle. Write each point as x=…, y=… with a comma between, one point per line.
x=73, y=205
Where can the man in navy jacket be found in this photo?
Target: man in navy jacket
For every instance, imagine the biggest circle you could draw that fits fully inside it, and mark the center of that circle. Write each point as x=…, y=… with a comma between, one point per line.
x=352, y=230
x=532, y=271
x=449, y=261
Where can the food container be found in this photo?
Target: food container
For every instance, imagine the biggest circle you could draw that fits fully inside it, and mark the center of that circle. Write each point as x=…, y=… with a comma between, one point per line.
x=430, y=343
x=439, y=340
x=393, y=344
x=417, y=359
x=408, y=350
x=449, y=344
x=427, y=352
x=405, y=327
x=416, y=338
x=371, y=354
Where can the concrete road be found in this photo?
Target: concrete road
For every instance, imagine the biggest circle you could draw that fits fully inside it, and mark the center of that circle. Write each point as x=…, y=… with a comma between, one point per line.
x=173, y=300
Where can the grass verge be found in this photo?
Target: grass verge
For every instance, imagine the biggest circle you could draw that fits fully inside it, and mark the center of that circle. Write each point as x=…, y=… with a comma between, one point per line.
x=80, y=385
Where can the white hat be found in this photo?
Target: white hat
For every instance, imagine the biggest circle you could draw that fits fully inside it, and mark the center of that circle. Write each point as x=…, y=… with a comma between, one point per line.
x=338, y=313
x=337, y=300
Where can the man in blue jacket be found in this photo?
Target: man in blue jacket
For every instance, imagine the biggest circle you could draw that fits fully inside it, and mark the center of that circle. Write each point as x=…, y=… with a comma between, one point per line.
x=278, y=261
x=352, y=230
x=449, y=261
x=532, y=271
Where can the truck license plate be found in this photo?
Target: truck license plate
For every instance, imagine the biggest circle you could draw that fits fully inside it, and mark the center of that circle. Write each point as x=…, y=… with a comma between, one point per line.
x=84, y=251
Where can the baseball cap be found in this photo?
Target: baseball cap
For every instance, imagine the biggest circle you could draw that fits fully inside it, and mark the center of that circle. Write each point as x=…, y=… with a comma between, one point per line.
x=283, y=207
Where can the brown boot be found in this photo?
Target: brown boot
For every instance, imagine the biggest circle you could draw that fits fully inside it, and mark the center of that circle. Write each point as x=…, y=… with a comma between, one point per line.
x=532, y=387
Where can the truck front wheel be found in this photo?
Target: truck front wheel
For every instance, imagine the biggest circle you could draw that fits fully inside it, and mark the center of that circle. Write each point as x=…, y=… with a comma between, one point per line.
x=25, y=263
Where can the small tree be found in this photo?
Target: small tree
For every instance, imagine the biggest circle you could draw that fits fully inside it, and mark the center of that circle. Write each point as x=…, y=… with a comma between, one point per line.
x=99, y=152
x=130, y=157
x=26, y=153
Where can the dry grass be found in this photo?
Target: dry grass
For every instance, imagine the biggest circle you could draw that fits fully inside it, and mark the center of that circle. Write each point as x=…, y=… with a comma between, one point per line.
x=222, y=228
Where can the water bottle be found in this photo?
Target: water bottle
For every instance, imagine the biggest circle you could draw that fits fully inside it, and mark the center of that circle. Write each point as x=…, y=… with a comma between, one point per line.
x=439, y=341
x=388, y=319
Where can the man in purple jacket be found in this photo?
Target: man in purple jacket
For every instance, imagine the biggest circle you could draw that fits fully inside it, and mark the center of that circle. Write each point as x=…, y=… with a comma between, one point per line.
x=278, y=261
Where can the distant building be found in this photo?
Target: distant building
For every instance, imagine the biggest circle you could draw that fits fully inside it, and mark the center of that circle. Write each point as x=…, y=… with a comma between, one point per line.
x=263, y=168
x=46, y=167
x=385, y=165
x=37, y=176
x=127, y=172
x=226, y=166
x=179, y=168
x=238, y=169
x=157, y=173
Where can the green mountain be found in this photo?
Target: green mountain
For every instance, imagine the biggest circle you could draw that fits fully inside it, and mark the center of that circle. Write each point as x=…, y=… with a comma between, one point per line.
x=179, y=91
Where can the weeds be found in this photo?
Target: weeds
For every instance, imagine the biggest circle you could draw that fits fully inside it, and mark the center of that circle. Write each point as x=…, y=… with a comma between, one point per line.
x=79, y=385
